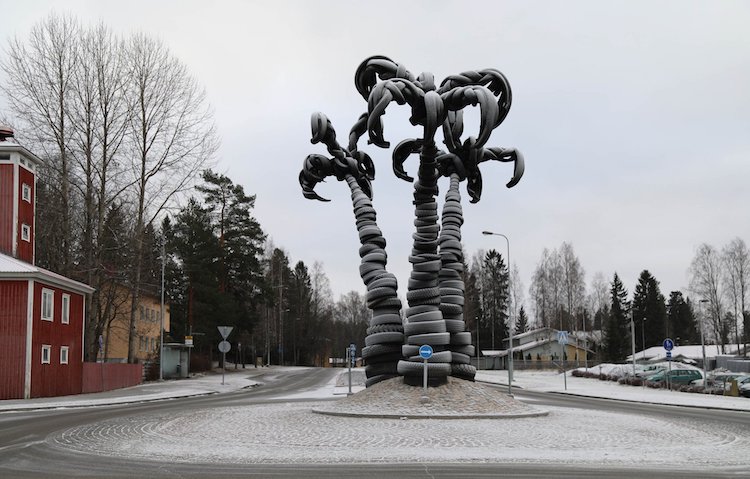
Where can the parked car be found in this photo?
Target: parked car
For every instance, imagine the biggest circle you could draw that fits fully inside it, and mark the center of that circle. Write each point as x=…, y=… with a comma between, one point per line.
x=651, y=370
x=744, y=385
x=718, y=381
x=676, y=376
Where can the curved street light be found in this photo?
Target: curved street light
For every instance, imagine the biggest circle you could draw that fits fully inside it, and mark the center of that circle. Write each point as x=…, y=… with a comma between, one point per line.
x=510, y=311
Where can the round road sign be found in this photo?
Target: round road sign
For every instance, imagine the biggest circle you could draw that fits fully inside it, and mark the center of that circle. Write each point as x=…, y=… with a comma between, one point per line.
x=425, y=351
x=224, y=346
x=668, y=344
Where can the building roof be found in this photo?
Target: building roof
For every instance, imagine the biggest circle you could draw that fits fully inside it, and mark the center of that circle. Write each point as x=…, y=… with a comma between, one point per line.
x=530, y=345
x=11, y=144
x=14, y=269
x=530, y=333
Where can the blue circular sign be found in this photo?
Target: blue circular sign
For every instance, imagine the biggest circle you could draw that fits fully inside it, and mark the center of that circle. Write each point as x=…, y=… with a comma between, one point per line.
x=425, y=351
x=668, y=344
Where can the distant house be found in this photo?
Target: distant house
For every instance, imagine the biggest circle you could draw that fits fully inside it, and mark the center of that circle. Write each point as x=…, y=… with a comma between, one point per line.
x=540, y=345
x=147, y=326
x=41, y=313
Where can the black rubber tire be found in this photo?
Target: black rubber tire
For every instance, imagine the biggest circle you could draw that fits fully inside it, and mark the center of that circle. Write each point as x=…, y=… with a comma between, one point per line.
x=381, y=368
x=385, y=328
x=423, y=327
x=433, y=339
x=459, y=358
x=433, y=315
x=451, y=309
x=461, y=339
x=431, y=266
x=385, y=319
x=464, y=371
x=384, y=338
x=381, y=292
x=452, y=299
x=439, y=357
x=418, y=309
x=467, y=349
x=379, y=350
x=454, y=326
x=453, y=284
x=408, y=368
x=421, y=284
x=368, y=248
x=384, y=303
x=409, y=350
x=376, y=379
x=418, y=294
x=384, y=282
x=384, y=358
x=444, y=291
x=376, y=257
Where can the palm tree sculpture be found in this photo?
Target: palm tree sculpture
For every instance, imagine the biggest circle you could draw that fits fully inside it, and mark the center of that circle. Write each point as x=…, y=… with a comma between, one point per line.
x=435, y=290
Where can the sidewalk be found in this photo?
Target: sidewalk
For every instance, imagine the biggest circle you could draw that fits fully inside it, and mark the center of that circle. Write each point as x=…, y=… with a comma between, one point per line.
x=199, y=385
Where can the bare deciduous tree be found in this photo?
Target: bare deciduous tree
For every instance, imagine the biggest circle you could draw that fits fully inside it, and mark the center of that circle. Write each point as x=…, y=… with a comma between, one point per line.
x=40, y=78
x=705, y=281
x=736, y=259
x=173, y=140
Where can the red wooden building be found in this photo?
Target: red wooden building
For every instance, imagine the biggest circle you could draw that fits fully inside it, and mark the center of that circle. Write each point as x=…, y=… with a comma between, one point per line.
x=41, y=313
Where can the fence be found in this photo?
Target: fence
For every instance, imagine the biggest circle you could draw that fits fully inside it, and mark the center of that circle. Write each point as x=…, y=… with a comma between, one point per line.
x=98, y=377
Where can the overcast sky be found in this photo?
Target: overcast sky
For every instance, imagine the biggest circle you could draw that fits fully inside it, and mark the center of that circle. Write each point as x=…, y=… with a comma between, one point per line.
x=633, y=117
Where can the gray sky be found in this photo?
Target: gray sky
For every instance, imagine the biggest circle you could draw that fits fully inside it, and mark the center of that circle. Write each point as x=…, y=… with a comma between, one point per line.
x=633, y=117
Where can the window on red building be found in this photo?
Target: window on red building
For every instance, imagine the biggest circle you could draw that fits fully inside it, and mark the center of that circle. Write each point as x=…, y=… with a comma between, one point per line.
x=48, y=301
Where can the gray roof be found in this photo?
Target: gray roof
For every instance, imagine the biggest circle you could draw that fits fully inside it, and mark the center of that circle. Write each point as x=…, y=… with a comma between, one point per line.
x=15, y=269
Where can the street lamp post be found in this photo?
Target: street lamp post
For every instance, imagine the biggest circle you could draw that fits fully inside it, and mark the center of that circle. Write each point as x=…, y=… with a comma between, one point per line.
x=703, y=344
x=643, y=338
x=510, y=312
x=632, y=338
x=161, y=312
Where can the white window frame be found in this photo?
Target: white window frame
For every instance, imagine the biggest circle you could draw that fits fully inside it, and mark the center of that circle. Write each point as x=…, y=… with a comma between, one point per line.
x=64, y=354
x=65, y=313
x=46, y=351
x=26, y=193
x=25, y=232
x=51, y=295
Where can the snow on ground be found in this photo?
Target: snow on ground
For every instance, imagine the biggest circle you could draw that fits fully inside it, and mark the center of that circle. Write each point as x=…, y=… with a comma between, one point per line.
x=551, y=381
x=291, y=433
x=198, y=385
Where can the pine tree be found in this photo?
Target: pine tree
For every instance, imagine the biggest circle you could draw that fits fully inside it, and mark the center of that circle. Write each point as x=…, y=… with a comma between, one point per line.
x=682, y=322
x=617, y=332
x=495, y=294
x=522, y=323
x=649, y=311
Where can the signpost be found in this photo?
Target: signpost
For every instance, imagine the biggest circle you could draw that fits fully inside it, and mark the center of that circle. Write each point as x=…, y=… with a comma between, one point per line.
x=668, y=346
x=224, y=347
x=425, y=352
x=562, y=338
x=351, y=354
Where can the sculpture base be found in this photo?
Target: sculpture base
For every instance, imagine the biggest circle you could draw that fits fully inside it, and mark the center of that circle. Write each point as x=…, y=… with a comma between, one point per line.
x=456, y=399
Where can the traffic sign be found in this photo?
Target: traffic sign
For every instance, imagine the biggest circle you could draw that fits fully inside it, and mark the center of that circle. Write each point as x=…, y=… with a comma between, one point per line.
x=668, y=344
x=669, y=355
x=225, y=346
x=225, y=331
x=353, y=348
x=562, y=337
x=425, y=351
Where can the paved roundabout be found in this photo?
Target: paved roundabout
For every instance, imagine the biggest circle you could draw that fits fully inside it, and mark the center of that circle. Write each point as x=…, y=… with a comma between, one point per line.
x=291, y=433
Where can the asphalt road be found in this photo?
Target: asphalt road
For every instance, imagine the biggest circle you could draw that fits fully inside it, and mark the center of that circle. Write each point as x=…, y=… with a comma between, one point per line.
x=24, y=452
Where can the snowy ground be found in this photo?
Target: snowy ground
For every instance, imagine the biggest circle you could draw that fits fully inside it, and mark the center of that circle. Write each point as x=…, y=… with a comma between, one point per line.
x=554, y=382
x=289, y=432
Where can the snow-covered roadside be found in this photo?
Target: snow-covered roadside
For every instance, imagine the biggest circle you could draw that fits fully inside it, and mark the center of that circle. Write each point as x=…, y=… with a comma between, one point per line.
x=152, y=391
x=338, y=385
x=553, y=382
